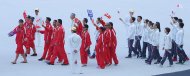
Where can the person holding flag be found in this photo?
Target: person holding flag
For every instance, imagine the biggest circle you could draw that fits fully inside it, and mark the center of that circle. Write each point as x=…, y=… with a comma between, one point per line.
x=38, y=23
x=20, y=34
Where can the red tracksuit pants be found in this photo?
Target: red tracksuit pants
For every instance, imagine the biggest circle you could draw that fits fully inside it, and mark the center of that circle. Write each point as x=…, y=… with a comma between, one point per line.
x=29, y=44
x=83, y=55
x=113, y=55
x=46, y=49
x=100, y=58
x=59, y=51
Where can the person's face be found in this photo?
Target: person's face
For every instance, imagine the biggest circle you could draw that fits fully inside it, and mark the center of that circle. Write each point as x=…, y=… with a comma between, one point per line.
x=57, y=24
x=100, y=30
x=36, y=12
x=97, y=21
x=154, y=26
x=131, y=21
x=83, y=21
x=54, y=23
x=139, y=19
x=47, y=21
x=20, y=23
x=72, y=17
x=30, y=21
x=165, y=31
x=131, y=13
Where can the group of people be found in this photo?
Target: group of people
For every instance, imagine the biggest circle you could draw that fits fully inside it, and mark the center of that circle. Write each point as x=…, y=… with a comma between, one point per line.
x=106, y=40
x=149, y=33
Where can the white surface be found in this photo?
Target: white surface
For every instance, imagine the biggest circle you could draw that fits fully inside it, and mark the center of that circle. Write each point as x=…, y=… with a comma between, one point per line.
x=155, y=10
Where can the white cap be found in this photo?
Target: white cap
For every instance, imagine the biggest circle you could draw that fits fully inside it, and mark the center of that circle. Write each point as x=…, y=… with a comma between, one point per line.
x=131, y=10
x=36, y=9
x=73, y=28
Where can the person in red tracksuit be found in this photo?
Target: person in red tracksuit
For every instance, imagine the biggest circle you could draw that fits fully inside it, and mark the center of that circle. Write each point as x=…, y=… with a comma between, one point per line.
x=107, y=44
x=113, y=44
x=86, y=42
x=50, y=52
x=30, y=34
x=59, y=50
x=47, y=37
x=20, y=34
x=100, y=49
x=77, y=23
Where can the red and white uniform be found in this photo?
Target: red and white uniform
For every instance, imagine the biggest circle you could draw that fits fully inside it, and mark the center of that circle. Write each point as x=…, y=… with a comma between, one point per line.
x=113, y=46
x=30, y=34
x=100, y=57
x=107, y=45
x=59, y=50
x=86, y=42
x=47, y=38
x=19, y=39
x=51, y=47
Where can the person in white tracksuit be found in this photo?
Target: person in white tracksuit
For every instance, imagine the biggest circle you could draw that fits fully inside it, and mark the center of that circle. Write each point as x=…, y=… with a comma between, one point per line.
x=75, y=44
x=38, y=23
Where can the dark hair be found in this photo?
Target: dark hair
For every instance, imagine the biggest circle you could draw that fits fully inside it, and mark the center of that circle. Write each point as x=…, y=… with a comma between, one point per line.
x=133, y=18
x=55, y=20
x=32, y=18
x=48, y=18
x=86, y=20
x=175, y=18
x=146, y=21
x=29, y=16
x=59, y=21
x=140, y=17
x=181, y=25
x=167, y=29
x=158, y=26
x=102, y=28
x=111, y=24
x=21, y=21
x=98, y=18
x=180, y=20
x=86, y=26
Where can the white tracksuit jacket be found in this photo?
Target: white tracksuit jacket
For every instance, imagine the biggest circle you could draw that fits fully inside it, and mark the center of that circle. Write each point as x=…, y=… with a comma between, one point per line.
x=75, y=42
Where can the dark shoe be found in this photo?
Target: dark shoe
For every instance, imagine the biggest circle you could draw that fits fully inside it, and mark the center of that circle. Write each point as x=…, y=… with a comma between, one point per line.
x=49, y=63
x=138, y=56
x=34, y=55
x=179, y=63
x=64, y=64
x=128, y=57
x=157, y=63
x=143, y=57
x=41, y=59
x=183, y=61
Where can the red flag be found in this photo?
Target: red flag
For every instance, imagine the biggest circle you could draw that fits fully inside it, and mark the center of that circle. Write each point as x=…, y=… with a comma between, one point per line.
x=107, y=15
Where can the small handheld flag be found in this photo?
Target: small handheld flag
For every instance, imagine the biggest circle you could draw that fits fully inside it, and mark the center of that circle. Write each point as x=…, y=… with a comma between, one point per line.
x=90, y=14
x=107, y=15
x=12, y=33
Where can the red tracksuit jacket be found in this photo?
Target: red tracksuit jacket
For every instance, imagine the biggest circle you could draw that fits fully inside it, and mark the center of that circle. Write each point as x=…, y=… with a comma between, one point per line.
x=47, y=32
x=100, y=56
x=86, y=42
x=19, y=39
x=20, y=34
